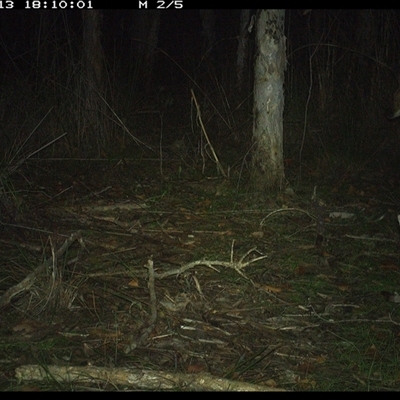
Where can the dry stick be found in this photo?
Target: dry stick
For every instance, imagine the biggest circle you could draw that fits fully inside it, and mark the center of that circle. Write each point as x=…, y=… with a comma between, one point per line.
x=134, y=378
x=153, y=311
x=203, y=129
x=286, y=210
x=27, y=283
x=236, y=265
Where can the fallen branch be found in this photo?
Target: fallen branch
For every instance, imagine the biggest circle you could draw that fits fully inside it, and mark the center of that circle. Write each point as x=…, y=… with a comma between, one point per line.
x=134, y=378
x=236, y=265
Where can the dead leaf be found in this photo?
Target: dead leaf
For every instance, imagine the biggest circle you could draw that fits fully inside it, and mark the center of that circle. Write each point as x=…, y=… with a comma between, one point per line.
x=372, y=352
x=28, y=388
x=352, y=190
x=257, y=235
x=304, y=269
x=133, y=283
x=27, y=326
x=204, y=204
x=320, y=359
x=306, y=383
x=306, y=367
x=389, y=267
x=88, y=350
x=270, y=383
x=343, y=287
x=194, y=368
x=271, y=289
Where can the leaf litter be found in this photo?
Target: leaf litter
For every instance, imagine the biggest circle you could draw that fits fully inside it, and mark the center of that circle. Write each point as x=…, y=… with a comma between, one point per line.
x=167, y=278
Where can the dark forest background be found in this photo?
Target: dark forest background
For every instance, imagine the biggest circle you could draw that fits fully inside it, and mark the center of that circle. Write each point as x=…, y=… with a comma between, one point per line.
x=342, y=73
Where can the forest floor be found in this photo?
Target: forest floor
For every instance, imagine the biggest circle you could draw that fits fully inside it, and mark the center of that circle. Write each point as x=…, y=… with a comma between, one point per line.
x=113, y=278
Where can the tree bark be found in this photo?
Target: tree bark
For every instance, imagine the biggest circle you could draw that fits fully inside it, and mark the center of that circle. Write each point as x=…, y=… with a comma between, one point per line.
x=267, y=163
x=93, y=133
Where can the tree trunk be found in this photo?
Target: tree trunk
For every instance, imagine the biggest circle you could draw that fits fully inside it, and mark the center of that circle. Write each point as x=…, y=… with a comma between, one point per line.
x=267, y=163
x=146, y=29
x=93, y=133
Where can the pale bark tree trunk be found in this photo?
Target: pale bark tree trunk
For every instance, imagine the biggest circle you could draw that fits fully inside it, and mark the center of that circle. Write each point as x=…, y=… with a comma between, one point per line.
x=267, y=163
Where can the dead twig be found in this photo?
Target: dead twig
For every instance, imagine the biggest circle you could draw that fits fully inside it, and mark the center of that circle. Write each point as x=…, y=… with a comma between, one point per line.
x=374, y=239
x=153, y=311
x=238, y=266
x=203, y=129
x=286, y=210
